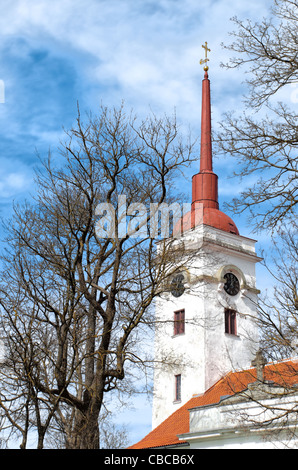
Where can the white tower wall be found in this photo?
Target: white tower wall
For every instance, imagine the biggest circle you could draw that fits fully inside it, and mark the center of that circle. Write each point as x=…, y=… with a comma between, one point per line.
x=204, y=352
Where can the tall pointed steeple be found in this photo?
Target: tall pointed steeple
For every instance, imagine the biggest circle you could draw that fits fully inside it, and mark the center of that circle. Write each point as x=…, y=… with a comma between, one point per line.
x=217, y=282
x=204, y=183
x=205, y=207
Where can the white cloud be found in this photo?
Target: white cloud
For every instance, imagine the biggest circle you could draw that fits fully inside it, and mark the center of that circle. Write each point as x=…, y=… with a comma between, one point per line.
x=15, y=182
x=146, y=52
x=149, y=49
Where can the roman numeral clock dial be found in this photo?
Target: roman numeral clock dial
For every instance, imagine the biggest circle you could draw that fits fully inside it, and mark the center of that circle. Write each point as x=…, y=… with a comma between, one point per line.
x=231, y=285
x=177, y=285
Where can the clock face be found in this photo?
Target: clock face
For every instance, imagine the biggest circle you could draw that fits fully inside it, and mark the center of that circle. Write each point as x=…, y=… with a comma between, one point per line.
x=177, y=285
x=231, y=285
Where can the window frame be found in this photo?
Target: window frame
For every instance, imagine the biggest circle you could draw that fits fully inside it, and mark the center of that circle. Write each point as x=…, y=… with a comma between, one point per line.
x=178, y=388
x=230, y=321
x=179, y=322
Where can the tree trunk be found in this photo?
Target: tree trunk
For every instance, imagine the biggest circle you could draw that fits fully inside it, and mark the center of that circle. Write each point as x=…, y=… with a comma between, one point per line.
x=86, y=430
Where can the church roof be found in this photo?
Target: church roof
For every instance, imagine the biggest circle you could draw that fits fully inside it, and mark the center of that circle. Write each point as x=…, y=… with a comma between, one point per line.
x=284, y=373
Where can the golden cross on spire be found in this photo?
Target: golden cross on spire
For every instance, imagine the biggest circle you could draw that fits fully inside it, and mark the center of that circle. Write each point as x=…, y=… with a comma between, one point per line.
x=204, y=61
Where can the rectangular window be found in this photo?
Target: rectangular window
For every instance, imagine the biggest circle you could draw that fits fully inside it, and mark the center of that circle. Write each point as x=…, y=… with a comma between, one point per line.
x=230, y=321
x=178, y=387
x=179, y=322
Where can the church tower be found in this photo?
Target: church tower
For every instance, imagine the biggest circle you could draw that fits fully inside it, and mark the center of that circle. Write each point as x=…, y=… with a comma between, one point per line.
x=206, y=320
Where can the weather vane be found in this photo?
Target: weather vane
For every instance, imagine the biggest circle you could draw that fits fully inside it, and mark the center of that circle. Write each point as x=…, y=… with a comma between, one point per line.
x=204, y=61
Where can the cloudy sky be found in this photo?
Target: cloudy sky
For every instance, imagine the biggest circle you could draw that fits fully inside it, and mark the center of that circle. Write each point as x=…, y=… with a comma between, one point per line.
x=56, y=53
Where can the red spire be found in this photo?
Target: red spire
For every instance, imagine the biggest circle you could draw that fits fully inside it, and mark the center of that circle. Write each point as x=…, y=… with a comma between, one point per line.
x=206, y=145
x=205, y=207
x=204, y=184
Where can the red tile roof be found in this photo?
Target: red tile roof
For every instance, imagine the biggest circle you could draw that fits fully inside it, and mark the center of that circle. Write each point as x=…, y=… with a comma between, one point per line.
x=283, y=373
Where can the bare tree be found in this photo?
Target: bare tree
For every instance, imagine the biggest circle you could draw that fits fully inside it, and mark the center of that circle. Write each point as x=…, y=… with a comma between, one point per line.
x=75, y=298
x=267, y=148
x=264, y=139
x=264, y=142
x=113, y=436
x=279, y=310
x=23, y=407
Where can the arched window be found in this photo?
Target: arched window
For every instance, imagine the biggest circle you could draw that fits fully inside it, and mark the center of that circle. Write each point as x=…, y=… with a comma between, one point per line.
x=230, y=321
x=177, y=396
x=179, y=322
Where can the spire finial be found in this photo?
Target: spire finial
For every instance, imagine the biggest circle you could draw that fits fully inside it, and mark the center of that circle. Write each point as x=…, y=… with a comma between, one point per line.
x=204, y=61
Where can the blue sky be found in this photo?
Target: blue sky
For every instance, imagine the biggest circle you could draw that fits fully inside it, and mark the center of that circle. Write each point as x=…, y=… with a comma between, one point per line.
x=56, y=53
x=146, y=52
